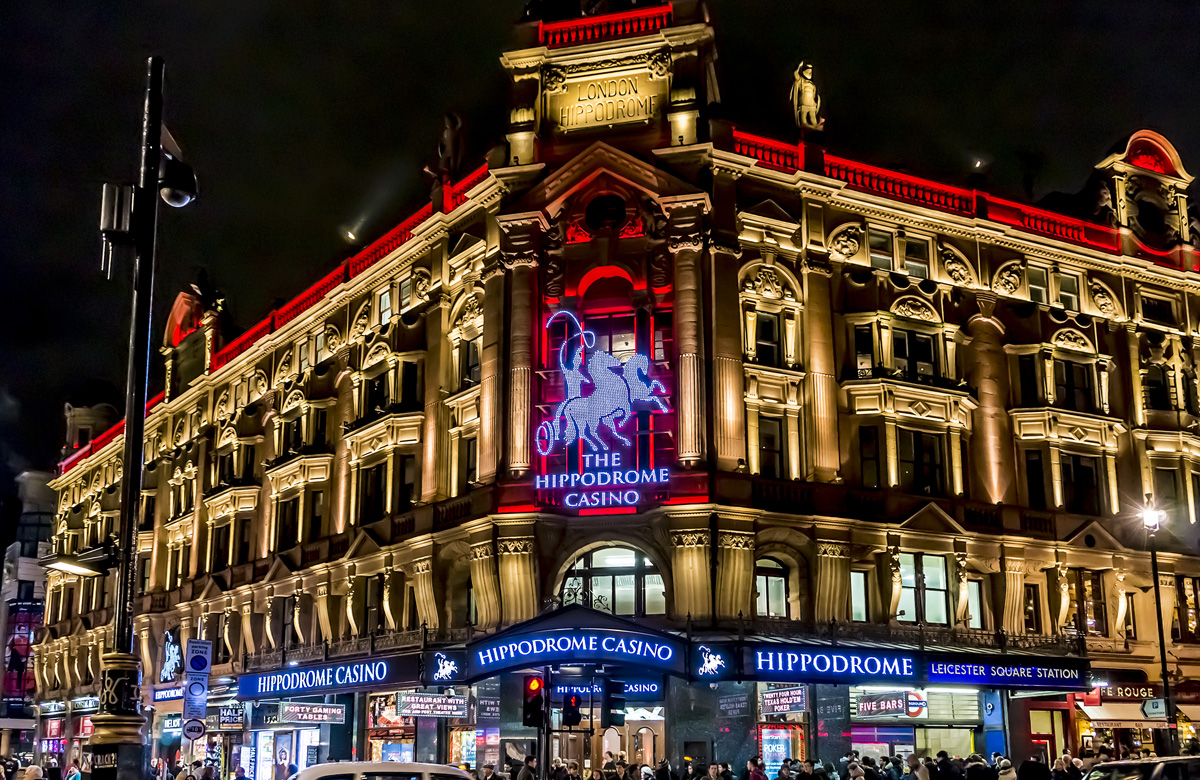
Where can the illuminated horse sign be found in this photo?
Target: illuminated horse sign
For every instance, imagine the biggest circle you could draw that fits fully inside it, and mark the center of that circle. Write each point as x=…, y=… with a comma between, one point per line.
x=615, y=388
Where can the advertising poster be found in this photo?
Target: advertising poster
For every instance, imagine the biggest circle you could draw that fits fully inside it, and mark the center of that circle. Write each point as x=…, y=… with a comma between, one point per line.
x=776, y=747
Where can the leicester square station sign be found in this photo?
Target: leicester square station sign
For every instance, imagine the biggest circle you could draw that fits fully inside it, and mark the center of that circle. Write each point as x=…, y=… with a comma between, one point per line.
x=603, y=395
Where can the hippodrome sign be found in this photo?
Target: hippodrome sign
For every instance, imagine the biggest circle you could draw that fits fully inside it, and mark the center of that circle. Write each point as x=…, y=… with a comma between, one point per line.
x=601, y=395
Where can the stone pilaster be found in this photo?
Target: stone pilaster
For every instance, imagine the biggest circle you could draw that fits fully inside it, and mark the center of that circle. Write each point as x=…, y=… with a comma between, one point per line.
x=521, y=359
x=435, y=466
x=518, y=579
x=691, y=573
x=324, y=618
x=832, y=598
x=1010, y=596
x=686, y=245
x=486, y=585
x=247, y=627
x=735, y=574
x=820, y=365
x=728, y=408
x=355, y=604
x=962, y=604
x=491, y=373
x=1060, y=595
x=991, y=443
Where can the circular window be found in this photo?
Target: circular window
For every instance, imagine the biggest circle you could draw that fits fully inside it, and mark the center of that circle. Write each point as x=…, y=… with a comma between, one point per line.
x=605, y=212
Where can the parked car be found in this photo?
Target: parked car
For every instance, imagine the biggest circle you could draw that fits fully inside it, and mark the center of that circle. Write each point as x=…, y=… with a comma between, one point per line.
x=388, y=770
x=1168, y=768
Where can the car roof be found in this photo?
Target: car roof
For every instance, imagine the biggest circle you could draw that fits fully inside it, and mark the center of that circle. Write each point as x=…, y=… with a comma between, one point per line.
x=1141, y=761
x=389, y=767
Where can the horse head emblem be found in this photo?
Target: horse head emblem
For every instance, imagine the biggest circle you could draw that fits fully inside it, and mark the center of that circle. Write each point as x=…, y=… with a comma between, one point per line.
x=712, y=662
x=615, y=388
x=446, y=668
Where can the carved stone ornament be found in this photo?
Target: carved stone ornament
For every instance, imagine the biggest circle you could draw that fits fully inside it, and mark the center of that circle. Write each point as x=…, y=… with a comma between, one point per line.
x=1072, y=339
x=846, y=243
x=482, y=551
x=833, y=550
x=731, y=540
x=422, y=566
x=522, y=546
x=689, y=538
x=684, y=241
x=470, y=310
x=914, y=309
x=361, y=322
x=894, y=565
x=960, y=567
x=1103, y=300
x=223, y=405
x=768, y=285
x=659, y=64
x=554, y=79
x=1008, y=279
x=660, y=269
x=420, y=283
x=333, y=339
x=956, y=269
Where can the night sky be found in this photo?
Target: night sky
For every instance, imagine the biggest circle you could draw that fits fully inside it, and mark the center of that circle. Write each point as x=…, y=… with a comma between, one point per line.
x=300, y=117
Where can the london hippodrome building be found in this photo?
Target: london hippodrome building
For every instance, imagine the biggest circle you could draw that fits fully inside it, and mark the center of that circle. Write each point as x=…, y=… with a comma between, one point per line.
x=806, y=452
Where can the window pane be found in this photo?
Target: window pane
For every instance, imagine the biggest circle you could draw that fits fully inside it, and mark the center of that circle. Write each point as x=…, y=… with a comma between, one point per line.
x=858, y=596
x=760, y=586
x=880, y=242
x=935, y=571
x=908, y=570
x=777, y=596
x=614, y=558
x=656, y=595
x=908, y=605
x=573, y=591
x=975, y=603
x=625, y=599
x=602, y=595
x=1037, y=284
x=935, y=607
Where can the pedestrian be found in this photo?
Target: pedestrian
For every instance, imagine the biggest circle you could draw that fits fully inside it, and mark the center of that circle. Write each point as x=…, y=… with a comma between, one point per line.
x=1060, y=770
x=756, y=768
x=726, y=771
x=527, y=769
x=558, y=771
x=785, y=771
x=596, y=774
x=1034, y=770
x=621, y=771
x=855, y=771
x=610, y=763
x=916, y=770
x=946, y=768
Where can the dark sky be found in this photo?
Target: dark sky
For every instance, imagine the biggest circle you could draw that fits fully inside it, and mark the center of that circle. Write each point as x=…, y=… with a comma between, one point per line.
x=302, y=116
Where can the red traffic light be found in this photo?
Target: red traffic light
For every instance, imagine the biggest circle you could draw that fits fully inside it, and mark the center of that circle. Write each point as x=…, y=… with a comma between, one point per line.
x=534, y=684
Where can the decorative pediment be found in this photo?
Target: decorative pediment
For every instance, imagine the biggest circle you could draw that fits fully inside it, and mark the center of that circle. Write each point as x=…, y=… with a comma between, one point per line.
x=280, y=570
x=596, y=161
x=769, y=209
x=364, y=544
x=1105, y=301
x=378, y=352
x=295, y=399
x=1100, y=538
x=934, y=519
x=956, y=267
x=1008, y=278
x=914, y=308
x=1069, y=338
x=768, y=281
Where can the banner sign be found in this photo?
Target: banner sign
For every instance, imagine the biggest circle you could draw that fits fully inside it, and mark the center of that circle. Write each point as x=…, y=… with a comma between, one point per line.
x=893, y=704
x=602, y=395
x=768, y=662
x=783, y=701
x=432, y=705
x=292, y=713
x=652, y=651
x=169, y=694
x=352, y=675
x=635, y=690
x=1007, y=675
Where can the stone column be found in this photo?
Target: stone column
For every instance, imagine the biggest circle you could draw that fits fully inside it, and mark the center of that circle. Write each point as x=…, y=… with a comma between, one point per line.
x=522, y=354
x=891, y=583
x=518, y=580
x=684, y=240
x=355, y=605
x=727, y=409
x=691, y=574
x=435, y=471
x=735, y=574
x=1060, y=595
x=248, y=628
x=324, y=619
x=271, y=641
x=832, y=598
x=491, y=372
x=991, y=443
x=147, y=647
x=1009, y=593
x=1137, y=403
x=962, y=602
x=820, y=363
x=422, y=575
x=485, y=584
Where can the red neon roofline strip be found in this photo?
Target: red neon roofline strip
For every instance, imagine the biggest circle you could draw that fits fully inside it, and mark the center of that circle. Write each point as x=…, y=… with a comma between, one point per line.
x=623, y=24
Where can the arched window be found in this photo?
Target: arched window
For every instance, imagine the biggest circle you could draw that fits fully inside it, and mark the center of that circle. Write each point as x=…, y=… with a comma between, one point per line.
x=770, y=584
x=620, y=580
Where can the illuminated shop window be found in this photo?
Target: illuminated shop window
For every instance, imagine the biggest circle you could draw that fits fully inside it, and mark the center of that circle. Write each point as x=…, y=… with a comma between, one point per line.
x=619, y=580
x=770, y=583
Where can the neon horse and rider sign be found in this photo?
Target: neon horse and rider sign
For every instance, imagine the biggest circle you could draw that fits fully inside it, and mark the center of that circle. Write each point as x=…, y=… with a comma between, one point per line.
x=602, y=395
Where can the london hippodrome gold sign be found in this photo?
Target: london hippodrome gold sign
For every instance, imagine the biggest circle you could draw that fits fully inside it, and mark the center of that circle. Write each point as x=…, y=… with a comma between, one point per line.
x=603, y=94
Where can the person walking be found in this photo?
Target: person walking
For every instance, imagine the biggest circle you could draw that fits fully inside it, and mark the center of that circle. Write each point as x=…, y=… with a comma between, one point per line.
x=527, y=769
x=916, y=770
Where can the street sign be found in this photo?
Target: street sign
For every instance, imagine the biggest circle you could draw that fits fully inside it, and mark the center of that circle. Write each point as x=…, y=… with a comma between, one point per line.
x=1154, y=709
x=194, y=729
x=197, y=665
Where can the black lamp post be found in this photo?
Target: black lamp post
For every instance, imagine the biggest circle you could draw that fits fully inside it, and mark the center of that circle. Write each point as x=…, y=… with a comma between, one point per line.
x=1152, y=520
x=129, y=218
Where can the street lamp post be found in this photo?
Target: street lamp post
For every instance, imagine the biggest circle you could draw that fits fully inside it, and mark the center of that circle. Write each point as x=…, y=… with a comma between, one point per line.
x=129, y=217
x=1152, y=521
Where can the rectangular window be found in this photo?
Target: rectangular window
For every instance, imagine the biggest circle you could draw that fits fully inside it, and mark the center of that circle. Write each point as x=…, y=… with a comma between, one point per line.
x=1130, y=621
x=770, y=447
x=916, y=258
x=302, y=354
x=385, y=307
x=243, y=548
x=185, y=563
x=974, y=604
x=374, y=604
x=924, y=589
x=1089, y=613
x=316, y=516
x=913, y=355
x=319, y=345
x=766, y=339
x=1158, y=310
x=937, y=590
x=1027, y=376
x=377, y=394
x=410, y=389
x=920, y=463
x=468, y=462
x=371, y=504
x=1068, y=292
x=1166, y=494
x=220, y=547
x=320, y=428
x=470, y=368
x=909, y=586
x=860, y=607
x=85, y=595
x=1073, y=385
x=408, y=481
x=1035, y=479
x=664, y=336
x=405, y=293
x=225, y=469
x=248, y=462
x=868, y=455
x=1081, y=484
x=1039, y=290
x=864, y=351
x=880, y=246
x=172, y=567
x=287, y=524
x=1195, y=497
x=293, y=436
x=25, y=590
x=1032, y=610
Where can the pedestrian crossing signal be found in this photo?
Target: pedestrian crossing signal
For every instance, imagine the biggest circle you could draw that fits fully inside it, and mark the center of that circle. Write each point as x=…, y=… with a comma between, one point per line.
x=535, y=700
x=570, y=711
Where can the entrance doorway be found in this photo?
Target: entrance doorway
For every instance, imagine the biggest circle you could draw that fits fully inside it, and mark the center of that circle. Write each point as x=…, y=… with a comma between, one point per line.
x=645, y=746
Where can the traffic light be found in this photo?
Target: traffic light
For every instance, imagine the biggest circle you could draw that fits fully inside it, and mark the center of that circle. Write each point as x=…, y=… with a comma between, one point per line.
x=535, y=699
x=570, y=711
x=612, y=704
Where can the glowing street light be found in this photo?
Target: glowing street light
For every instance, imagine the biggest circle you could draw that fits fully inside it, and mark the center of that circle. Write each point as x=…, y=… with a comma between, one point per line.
x=1152, y=520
